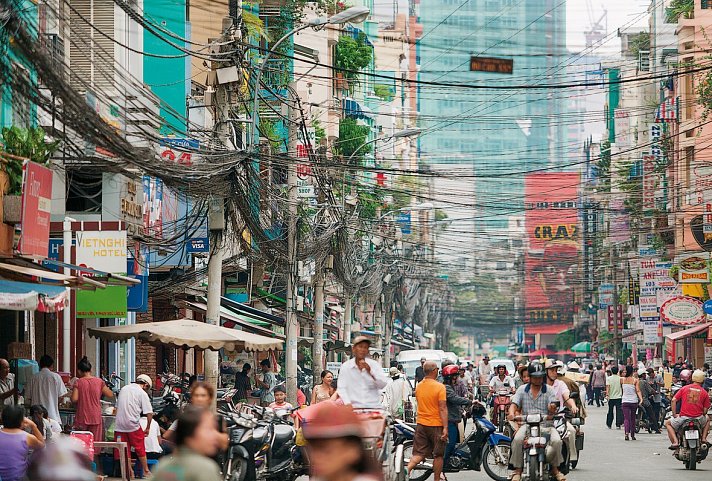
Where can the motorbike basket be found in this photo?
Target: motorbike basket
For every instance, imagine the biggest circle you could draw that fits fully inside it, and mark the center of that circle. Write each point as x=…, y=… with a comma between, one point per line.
x=579, y=441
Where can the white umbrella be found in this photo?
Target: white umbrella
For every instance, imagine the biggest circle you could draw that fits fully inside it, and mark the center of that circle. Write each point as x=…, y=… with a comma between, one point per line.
x=188, y=333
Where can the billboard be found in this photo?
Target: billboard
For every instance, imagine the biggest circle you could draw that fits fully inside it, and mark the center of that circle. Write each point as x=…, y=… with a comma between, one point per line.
x=36, y=207
x=554, y=246
x=103, y=251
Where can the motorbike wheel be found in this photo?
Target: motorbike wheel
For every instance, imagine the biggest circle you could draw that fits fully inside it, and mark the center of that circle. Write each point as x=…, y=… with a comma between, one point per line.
x=692, y=461
x=416, y=474
x=533, y=468
x=496, y=470
x=235, y=470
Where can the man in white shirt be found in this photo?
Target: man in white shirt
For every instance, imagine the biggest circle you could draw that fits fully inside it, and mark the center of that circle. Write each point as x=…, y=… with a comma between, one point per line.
x=501, y=381
x=361, y=379
x=132, y=402
x=45, y=388
x=7, y=384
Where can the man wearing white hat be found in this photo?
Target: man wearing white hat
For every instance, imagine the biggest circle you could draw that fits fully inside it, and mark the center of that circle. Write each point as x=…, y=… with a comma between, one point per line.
x=133, y=401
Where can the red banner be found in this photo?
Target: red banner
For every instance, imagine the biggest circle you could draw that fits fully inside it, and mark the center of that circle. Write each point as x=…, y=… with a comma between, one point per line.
x=36, y=207
x=552, y=258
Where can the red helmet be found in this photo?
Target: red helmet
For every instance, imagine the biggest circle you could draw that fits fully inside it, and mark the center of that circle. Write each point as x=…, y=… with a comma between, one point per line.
x=450, y=370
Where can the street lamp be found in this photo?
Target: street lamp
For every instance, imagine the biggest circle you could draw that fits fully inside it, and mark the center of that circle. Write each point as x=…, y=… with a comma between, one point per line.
x=401, y=134
x=352, y=14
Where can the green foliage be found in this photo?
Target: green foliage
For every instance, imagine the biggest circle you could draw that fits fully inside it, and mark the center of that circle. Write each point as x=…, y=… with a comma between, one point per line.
x=440, y=215
x=268, y=130
x=369, y=202
x=319, y=131
x=704, y=93
x=602, y=168
x=405, y=187
x=384, y=92
x=27, y=143
x=351, y=137
x=639, y=43
x=480, y=302
x=565, y=340
x=352, y=55
x=677, y=8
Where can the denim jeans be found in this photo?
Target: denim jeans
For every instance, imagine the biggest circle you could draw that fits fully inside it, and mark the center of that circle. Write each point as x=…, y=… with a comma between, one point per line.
x=453, y=436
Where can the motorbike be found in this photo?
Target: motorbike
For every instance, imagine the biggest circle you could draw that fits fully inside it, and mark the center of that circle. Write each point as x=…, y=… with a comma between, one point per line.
x=483, y=446
x=262, y=446
x=536, y=446
x=561, y=428
x=112, y=382
x=691, y=450
x=501, y=401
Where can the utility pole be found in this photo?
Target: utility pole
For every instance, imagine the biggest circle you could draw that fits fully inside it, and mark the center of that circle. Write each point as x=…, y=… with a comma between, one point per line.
x=318, y=351
x=388, y=332
x=378, y=324
x=292, y=326
x=616, y=341
x=348, y=312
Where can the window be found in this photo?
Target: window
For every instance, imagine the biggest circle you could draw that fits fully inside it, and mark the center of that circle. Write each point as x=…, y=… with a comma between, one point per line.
x=84, y=191
x=706, y=4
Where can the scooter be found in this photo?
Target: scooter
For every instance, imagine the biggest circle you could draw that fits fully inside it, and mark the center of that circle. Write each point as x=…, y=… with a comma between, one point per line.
x=691, y=450
x=536, y=446
x=484, y=446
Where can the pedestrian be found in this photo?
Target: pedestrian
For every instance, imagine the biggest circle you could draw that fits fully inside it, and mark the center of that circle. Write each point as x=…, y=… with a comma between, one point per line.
x=590, y=395
x=324, y=391
x=196, y=443
x=154, y=450
x=656, y=383
x=678, y=367
x=202, y=395
x=133, y=401
x=630, y=400
x=7, y=385
x=396, y=393
x=280, y=399
x=646, y=404
x=16, y=444
x=335, y=449
x=614, y=393
x=45, y=388
x=431, y=432
x=267, y=383
x=86, y=396
x=419, y=374
x=455, y=403
x=361, y=379
x=598, y=384
x=242, y=383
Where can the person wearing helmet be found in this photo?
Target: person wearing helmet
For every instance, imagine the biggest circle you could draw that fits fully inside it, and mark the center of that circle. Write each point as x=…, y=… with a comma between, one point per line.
x=131, y=403
x=501, y=380
x=694, y=404
x=455, y=403
x=535, y=398
x=562, y=391
x=334, y=445
x=647, y=393
x=685, y=377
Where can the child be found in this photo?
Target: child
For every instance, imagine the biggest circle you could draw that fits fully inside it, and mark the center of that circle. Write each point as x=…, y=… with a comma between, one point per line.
x=280, y=396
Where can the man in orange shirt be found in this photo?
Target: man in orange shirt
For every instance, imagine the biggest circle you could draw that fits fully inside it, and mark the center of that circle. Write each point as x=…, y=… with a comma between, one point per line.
x=431, y=430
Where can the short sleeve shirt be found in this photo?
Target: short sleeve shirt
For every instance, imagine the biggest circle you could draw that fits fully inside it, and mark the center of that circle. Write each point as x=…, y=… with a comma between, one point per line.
x=530, y=405
x=132, y=402
x=268, y=394
x=429, y=393
x=496, y=383
x=695, y=401
x=561, y=391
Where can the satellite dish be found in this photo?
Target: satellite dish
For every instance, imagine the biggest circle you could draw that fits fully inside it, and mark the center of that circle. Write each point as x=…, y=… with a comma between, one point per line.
x=696, y=228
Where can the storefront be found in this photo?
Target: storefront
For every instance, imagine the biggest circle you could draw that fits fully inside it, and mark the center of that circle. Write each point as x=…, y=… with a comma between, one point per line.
x=691, y=344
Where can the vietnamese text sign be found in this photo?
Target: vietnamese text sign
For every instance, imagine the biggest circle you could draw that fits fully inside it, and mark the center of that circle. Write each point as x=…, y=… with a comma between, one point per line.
x=650, y=183
x=693, y=268
x=651, y=334
x=103, y=251
x=682, y=311
x=605, y=295
x=36, y=207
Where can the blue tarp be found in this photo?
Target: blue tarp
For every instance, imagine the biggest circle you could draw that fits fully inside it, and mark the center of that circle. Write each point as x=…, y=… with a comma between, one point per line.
x=14, y=287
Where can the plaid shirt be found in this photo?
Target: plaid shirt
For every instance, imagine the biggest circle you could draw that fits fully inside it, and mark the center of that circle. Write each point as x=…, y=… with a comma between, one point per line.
x=530, y=405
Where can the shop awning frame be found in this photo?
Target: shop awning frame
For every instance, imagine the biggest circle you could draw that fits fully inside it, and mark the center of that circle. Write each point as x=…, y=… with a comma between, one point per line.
x=676, y=336
x=48, y=275
x=112, y=279
x=227, y=315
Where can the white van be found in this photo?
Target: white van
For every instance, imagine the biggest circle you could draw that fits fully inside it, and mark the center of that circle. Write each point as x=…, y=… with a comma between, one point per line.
x=410, y=359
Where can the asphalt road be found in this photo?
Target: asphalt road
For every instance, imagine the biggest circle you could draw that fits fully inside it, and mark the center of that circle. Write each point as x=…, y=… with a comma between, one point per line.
x=608, y=457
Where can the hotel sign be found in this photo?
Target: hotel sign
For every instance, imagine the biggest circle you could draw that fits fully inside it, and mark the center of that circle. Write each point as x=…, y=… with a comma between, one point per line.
x=491, y=65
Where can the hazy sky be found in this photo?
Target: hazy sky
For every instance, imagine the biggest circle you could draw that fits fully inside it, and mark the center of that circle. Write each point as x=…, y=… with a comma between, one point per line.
x=620, y=13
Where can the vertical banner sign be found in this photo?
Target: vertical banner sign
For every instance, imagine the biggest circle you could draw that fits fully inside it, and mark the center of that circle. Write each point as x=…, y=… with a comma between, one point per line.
x=660, y=161
x=650, y=183
x=552, y=224
x=102, y=251
x=648, y=289
x=36, y=207
x=707, y=220
x=633, y=286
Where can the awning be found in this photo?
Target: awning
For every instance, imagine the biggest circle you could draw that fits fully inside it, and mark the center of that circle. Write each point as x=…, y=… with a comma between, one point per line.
x=354, y=110
x=231, y=319
x=26, y=296
x=251, y=311
x=46, y=275
x=674, y=336
x=547, y=329
x=187, y=333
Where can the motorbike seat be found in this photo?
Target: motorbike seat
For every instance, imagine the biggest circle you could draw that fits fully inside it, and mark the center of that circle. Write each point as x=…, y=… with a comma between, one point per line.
x=283, y=434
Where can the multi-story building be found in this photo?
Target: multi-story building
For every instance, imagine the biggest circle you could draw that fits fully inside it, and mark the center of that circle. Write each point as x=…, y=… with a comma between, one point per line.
x=504, y=132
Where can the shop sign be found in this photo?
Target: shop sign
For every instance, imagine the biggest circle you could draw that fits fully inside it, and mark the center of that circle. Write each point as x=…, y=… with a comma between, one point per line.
x=334, y=367
x=131, y=206
x=403, y=219
x=103, y=251
x=708, y=354
x=651, y=334
x=650, y=183
x=491, y=65
x=618, y=316
x=605, y=295
x=647, y=251
x=137, y=294
x=36, y=207
x=693, y=268
x=179, y=151
x=682, y=311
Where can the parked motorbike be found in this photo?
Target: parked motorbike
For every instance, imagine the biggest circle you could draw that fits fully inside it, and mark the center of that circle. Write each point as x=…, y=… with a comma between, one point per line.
x=113, y=382
x=483, y=446
x=691, y=450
